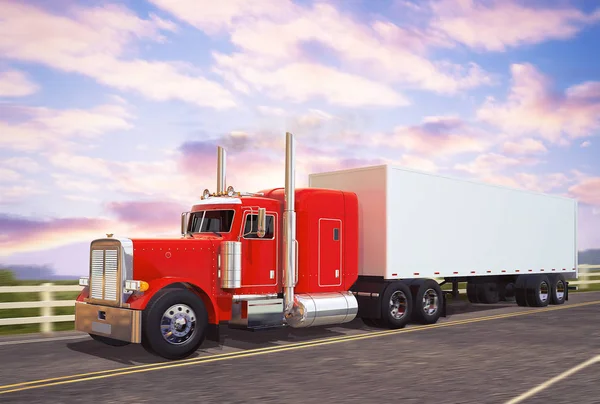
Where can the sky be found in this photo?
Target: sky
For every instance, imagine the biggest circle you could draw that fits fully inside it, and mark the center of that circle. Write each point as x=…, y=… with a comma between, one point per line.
x=111, y=113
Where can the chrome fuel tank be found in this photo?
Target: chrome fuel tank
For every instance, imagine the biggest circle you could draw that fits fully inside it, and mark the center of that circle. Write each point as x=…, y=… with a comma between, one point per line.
x=323, y=308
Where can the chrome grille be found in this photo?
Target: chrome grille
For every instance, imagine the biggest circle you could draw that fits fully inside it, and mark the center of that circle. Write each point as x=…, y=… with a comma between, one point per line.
x=110, y=274
x=104, y=274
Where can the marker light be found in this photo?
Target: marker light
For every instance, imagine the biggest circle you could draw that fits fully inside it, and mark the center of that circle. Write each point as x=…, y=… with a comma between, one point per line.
x=206, y=194
x=136, y=286
x=230, y=191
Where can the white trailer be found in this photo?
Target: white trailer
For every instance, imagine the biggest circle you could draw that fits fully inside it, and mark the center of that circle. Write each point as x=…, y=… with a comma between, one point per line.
x=417, y=226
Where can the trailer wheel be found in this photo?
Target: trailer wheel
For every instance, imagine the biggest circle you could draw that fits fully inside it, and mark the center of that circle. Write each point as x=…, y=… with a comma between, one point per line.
x=428, y=301
x=506, y=291
x=396, y=305
x=174, y=323
x=521, y=290
x=487, y=292
x=472, y=292
x=109, y=341
x=558, y=287
x=538, y=291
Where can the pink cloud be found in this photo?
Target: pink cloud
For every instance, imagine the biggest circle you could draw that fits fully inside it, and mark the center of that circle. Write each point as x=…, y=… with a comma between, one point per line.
x=213, y=17
x=531, y=182
x=587, y=191
x=492, y=163
x=437, y=136
x=499, y=24
x=300, y=82
x=19, y=193
x=534, y=108
x=52, y=129
x=272, y=39
x=524, y=146
x=25, y=234
x=14, y=83
x=96, y=42
x=149, y=216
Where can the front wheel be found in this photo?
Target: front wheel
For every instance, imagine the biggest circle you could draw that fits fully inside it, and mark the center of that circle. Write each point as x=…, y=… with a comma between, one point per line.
x=174, y=324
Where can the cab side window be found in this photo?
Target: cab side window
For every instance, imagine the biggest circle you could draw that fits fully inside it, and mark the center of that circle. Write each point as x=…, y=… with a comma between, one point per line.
x=251, y=226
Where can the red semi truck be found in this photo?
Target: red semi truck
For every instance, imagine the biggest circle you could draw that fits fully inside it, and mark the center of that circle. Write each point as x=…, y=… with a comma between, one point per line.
x=367, y=243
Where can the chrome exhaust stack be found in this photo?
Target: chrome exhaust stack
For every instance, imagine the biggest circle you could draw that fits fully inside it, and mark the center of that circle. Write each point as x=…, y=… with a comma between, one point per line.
x=221, y=179
x=289, y=227
x=312, y=309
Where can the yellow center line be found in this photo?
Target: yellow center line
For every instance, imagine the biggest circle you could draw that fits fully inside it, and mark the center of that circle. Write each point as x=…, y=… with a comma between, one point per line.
x=261, y=351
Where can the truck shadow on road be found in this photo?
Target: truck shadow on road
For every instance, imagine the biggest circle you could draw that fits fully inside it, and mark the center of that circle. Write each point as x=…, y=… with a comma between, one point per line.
x=234, y=339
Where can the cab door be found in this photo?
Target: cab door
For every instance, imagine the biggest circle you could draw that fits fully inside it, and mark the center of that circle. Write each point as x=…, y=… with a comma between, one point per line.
x=330, y=252
x=259, y=255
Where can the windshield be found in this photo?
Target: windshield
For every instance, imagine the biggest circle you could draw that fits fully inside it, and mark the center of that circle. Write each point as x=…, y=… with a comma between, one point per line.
x=208, y=221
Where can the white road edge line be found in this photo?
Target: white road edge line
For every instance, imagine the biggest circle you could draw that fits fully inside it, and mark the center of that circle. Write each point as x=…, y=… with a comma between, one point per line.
x=29, y=341
x=555, y=379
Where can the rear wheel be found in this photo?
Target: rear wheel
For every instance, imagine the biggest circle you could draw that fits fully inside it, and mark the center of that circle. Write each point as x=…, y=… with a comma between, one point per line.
x=521, y=290
x=396, y=306
x=558, y=286
x=487, y=292
x=174, y=324
x=428, y=301
x=538, y=291
x=472, y=292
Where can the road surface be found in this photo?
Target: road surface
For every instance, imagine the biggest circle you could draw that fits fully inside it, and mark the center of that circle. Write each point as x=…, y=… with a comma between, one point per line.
x=478, y=354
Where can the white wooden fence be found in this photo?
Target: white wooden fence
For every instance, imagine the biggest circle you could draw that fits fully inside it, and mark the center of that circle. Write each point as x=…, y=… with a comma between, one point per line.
x=47, y=302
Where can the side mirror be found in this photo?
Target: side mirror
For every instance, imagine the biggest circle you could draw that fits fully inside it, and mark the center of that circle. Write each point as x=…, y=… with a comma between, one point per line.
x=262, y=222
x=185, y=219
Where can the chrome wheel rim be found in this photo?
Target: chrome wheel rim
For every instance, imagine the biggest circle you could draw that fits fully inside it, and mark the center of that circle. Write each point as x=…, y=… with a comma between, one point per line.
x=178, y=324
x=430, y=302
x=544, y=291
x=560, y=290
x=398, y=304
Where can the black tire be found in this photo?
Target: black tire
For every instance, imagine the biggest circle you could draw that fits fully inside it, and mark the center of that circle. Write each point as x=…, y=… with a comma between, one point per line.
x=558, y=285
x=487, y=292
x=420, y=288
x=396, y=306
x=538, y=291
x=109, y=341
x=506, y=291
x=472, y=292
x=521, y=290
x=183, y=300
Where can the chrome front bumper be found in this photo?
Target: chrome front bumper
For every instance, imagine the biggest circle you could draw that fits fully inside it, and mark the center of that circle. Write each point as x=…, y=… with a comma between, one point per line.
x=107, y=321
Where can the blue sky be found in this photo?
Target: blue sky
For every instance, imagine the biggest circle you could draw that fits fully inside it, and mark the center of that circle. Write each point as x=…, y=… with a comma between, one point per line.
x=111, y=109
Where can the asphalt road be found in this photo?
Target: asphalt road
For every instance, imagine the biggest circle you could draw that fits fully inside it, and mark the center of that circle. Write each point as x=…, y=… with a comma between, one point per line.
x=478, y=354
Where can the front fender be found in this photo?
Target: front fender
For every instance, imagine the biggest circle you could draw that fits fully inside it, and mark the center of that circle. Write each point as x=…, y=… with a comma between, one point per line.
x=139, y=300
x=84, y=294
